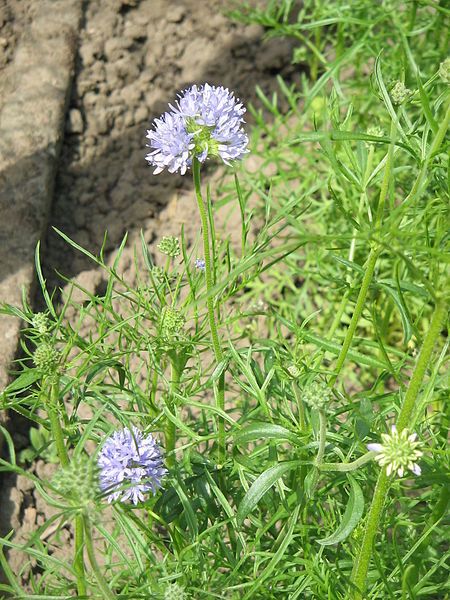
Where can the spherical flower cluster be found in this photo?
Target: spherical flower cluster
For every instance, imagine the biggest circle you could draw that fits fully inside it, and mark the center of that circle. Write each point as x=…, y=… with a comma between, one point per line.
x=400, y=93
x=78, y=482
x=200, y=264
x=444, y=70
x=170, y=246
x=172, y=321
x=398, y=452
x=41, y=323
x=174, y=592
x=205, y=121
x=317, y=395
x=46, y=358
x=131, y=465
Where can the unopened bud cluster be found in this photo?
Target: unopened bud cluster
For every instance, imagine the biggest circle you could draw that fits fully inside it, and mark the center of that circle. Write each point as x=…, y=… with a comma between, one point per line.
x=41, y=323
x=78, y=482
x=170, y=246
x=293, y=371
x=46, y=358
x=444, y=70
x=317, y=395
x=157, y=273
x=174, y=591
x=172, y=321
x=400, y=93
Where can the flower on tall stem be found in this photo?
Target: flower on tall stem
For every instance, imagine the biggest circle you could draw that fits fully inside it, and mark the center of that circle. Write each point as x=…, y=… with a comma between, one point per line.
x=131, y=465
x=206, y=121
x=398, y=452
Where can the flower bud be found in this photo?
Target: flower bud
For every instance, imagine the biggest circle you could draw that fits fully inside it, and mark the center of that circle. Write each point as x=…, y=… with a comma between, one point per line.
x=41, y=323
x=78, y=482
x=46, y=358
x=170, y=246
x=317, y=395
x=293, y=371
x=172, y=321
x=174, y=591
x=400, y=93
x=444, y=70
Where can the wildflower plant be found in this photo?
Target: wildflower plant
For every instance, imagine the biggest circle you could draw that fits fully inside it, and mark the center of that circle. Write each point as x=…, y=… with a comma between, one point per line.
x=220, y=421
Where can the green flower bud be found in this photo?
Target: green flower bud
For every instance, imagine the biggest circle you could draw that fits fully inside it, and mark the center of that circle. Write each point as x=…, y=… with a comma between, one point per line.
x=293, y=371
x=375, y=131
x=169, y=245
x=174, y=591
x=78, y=482
x=444, y=70
x=157, y=273
x=41, y=323
x=400, y=93
x=317, y=395
x=46, y=358
x=172, y=321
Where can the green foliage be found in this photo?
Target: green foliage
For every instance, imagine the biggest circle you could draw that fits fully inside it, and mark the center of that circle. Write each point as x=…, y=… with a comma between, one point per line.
x=325, y=305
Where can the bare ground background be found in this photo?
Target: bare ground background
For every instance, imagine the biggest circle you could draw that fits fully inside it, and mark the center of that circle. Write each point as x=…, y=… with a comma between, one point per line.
x=132, y=58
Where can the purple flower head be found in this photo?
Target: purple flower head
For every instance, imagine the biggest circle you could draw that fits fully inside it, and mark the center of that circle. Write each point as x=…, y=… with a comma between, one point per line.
x=200, y=264
x=205, y=121
x=130, y=465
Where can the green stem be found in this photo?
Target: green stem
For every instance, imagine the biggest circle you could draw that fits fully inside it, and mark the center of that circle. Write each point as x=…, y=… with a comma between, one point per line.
x=301, y=408
x=320, y=452
x=170, y=434
x=53, y=410
x=422, y=364
x=361, y=567
x=220, y=396
x=370, y=267
x=351, y=466
x=322, y=438
x=101, y=581
x=78, y=561
x=386, y=177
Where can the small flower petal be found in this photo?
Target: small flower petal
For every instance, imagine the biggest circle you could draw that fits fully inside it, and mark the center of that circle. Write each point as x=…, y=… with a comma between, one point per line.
x=375, y=447
x=416, y=469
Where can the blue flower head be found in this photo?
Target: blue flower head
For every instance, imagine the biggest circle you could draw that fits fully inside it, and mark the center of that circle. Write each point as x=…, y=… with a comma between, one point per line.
x=205, y=121
x=200, y=264
x=130, y=465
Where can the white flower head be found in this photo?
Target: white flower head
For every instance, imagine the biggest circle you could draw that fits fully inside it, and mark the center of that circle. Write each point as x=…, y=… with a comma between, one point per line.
x=398, y=452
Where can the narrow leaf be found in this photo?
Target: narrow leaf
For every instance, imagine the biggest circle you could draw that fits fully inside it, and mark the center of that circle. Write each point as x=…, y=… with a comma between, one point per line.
x=266, y=431
x=352, y=515
x=260, y=486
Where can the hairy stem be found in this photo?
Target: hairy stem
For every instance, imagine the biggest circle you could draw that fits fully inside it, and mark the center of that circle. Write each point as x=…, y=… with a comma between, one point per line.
x=220, y=396
x=351, y=466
